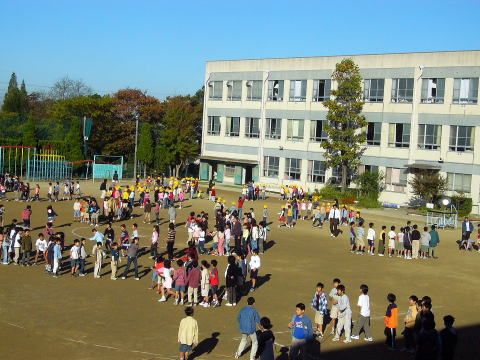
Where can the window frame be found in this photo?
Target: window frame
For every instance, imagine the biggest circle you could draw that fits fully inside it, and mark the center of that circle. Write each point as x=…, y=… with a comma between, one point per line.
x=300, y=127
x=313, y=136
x=249, y=124
x=271, y=170
x=316, y=175
x=423, y=135
x=211, y=126
x=293, y=91
x=212, y=88
x=426, y=98
x=327, y=88
x=279, y=97
x=229, y=130
x=401, y=93
x=472, y=98
x=368, y=90
x=229, y=171
x=234, y=90
x=452, y=182
x=253, y=93
x=268, y=129
x=405, y=142
x=455, y=146
x=374, y=141
x=288, y=169
x=401, y=185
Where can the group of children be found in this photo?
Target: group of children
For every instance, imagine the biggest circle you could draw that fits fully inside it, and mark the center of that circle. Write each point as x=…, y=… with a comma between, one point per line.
x=407, y=242
x=420, y=336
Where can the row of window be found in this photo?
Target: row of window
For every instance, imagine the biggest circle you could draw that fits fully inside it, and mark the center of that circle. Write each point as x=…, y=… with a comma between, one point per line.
x=465, y=90
x=429, y=136
x=395, y=178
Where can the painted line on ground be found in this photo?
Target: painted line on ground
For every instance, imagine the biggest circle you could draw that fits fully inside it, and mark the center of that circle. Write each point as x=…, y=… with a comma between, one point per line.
x=15, y=325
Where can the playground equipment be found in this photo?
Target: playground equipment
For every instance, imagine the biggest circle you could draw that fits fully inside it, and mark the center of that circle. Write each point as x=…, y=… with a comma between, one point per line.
x=26, y=162
x=14, y=159
x=104, y=166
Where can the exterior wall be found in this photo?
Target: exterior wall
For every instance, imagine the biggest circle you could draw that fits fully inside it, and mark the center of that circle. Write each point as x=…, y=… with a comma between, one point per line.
x=448, y=65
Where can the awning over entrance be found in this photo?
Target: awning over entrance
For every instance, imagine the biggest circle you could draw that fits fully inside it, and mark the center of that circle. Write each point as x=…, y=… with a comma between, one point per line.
x=424, y=166
x=227, y=160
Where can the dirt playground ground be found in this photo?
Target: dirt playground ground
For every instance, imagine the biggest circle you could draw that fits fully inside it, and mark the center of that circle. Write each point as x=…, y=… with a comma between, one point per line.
x=84, y=318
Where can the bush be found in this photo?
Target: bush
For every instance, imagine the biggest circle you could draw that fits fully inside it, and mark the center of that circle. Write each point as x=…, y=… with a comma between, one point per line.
x=349, y=200
x=463, y=205
x=332, y=192
x=370, y=184
x=368, y=203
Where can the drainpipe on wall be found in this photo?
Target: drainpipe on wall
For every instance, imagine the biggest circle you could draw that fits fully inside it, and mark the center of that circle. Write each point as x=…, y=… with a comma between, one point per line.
x=262, y=126
x=204, y=115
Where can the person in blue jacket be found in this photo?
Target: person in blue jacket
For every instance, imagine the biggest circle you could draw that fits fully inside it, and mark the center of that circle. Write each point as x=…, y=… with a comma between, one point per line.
x=302, y=332
x=247, y=319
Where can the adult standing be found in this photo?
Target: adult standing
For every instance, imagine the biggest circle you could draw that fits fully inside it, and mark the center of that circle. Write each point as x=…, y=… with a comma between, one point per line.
x=247, y=319
x=132, y=256
x=231, y=275
x=334, y=218
x=434, y=241
x=237, y=234
x=467, y=228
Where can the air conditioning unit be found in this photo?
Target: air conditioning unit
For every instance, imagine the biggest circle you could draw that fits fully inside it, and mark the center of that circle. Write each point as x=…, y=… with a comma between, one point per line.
x=249, y=83
x=230, y=83
x=210, y=84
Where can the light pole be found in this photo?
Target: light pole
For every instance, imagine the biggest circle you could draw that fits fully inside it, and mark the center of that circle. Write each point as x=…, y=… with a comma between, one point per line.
x=135, y=114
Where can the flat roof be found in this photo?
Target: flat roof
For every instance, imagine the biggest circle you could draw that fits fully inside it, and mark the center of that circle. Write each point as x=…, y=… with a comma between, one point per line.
x=348, y=55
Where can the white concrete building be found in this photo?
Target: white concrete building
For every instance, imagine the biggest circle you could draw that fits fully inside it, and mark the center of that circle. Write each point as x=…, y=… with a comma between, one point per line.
x=263, y=120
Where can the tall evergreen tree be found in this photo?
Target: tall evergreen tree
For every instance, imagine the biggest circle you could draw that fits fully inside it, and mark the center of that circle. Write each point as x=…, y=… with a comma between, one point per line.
x=345, y=124
x=12, y=101
x=145, y=146
x=30, y=133
x=23, y=98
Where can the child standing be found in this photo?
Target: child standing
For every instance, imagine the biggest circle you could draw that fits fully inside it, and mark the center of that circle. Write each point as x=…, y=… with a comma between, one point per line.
x=76, y=210
x=147, y=212
x=352, y=236
x=115, y=257
x=344, y=315
x=254, y=267
x=187, y=334
x=392, y=237
x=97, y=253
x=205, y=284
x=214, y=282
x=381, y=241
x=360, y=239
x=320, y=305
x=371, y=239
x=448, y=338
x=364, y=317
x=391, y=321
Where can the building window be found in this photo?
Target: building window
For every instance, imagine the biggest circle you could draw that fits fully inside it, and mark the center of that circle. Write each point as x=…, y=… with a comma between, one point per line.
x=465, y=91
x=298, y=90
x=459, y=182
x=374, y=133
x=461, y=138
x=336, y=177
x=293, y=169
x=275, y=90
x=254, y=90
x=295, y=130
x=396, y=179
x=373, y=90
x=399, y=135
x=316, y=171
x=321, y=89
x=232, y=127
x=229, y=170
x=367, y=168
x=215, y=90
x=273, y=128
x=234, y=92
x=433, y=91
x=271, y=165
x=213, y=125
x=402, y=90
x=317, y=130
x=251, y=127
x=429, y=136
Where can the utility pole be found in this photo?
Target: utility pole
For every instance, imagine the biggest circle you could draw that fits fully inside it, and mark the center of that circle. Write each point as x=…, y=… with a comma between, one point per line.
x=136, y=115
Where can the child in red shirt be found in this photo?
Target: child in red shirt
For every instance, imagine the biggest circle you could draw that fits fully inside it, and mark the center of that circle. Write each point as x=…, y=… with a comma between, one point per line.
x=214, y=282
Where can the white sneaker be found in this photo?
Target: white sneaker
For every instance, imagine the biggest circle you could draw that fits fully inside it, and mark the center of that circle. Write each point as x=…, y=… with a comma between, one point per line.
x=162, y=299
x=346, y=341
x=228, y=304
x=369, y=339
x=354, y=337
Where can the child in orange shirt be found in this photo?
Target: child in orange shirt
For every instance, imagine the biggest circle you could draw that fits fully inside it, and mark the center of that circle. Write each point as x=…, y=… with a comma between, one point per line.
x=391, y=321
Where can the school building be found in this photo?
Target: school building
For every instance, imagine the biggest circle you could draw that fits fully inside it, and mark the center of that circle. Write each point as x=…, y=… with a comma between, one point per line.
x=263, y=120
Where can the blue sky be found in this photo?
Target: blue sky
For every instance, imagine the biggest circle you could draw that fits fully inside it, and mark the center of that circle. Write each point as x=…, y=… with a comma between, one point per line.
x=162, y=46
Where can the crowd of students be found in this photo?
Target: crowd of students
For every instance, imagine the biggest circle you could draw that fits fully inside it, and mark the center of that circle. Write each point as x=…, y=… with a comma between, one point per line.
x=184, y=278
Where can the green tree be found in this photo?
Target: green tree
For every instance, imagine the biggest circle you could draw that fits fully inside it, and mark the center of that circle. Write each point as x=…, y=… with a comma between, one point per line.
x=345, y=124
x=145, y=147
x=427, y=185
x=370, y=184
x=178, y=143
x=74, y=141
x=12, y=101
x=30, y=136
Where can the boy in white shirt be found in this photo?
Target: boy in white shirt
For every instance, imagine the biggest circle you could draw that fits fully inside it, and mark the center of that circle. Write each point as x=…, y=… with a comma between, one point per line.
x=41, y=247
x=75, y=257
x=364, y=317
x=392, y=236
x=17, y=244
x=371, y=239
x=254, y=266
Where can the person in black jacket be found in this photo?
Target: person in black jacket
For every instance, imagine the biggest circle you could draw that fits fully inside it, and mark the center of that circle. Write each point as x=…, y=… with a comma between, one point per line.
x=231, y=281
x=266, y=340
